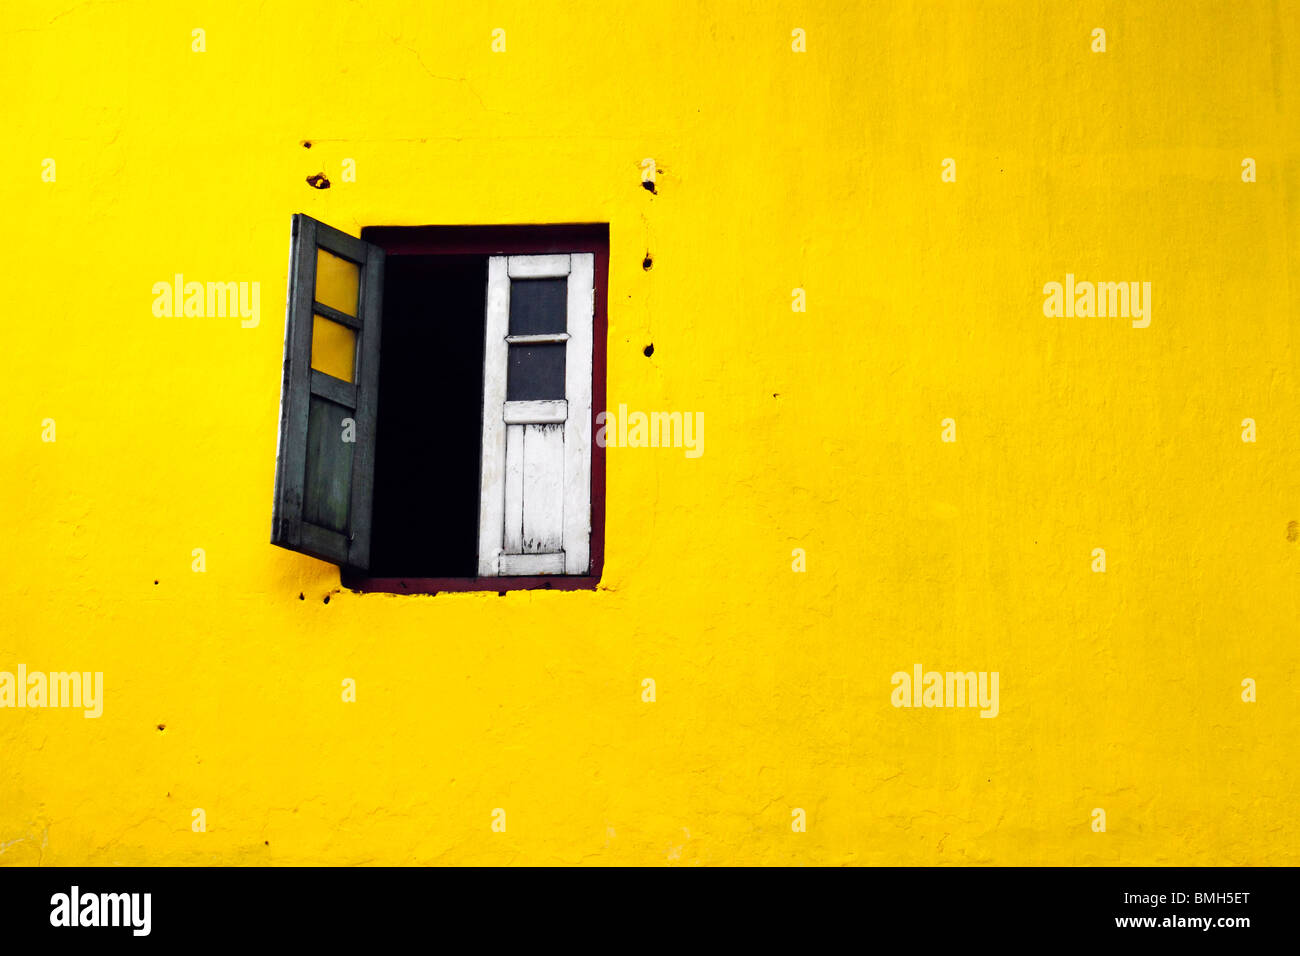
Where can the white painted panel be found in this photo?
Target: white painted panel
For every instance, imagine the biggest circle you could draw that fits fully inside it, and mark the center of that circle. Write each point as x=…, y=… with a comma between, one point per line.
x=577, y=427
x=492, y=483
x=539, y=267
x=532, y=563
x=543, y=488
x=513, y=535
x=538, y=412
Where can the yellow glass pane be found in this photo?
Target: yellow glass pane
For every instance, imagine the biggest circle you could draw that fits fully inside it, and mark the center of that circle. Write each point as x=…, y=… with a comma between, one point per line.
x=337, y=282
x=333, y=348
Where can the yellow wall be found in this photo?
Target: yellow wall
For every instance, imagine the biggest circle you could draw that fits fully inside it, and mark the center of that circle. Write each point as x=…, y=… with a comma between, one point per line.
x=818, y=170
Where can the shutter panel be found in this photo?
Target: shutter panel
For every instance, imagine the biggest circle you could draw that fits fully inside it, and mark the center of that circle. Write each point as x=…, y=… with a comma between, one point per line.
x=325, y=458
x=535, y=507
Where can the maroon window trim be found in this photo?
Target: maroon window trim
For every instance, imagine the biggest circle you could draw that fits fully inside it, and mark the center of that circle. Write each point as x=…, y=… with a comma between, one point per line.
x=514, y=240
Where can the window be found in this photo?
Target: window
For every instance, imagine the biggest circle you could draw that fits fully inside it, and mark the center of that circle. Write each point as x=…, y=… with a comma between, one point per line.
x=438, y=405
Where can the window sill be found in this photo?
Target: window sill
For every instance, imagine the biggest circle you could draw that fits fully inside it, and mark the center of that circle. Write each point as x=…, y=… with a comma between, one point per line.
x=548, y=582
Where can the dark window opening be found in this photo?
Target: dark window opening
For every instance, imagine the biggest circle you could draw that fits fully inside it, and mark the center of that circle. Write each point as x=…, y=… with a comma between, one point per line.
x=429, y=433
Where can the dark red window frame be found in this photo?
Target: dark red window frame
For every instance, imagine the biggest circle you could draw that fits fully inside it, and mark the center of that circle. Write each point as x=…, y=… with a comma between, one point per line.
x=514, y=240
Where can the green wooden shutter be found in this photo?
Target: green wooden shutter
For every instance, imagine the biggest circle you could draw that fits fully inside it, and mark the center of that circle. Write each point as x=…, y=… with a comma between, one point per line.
x=324, y=483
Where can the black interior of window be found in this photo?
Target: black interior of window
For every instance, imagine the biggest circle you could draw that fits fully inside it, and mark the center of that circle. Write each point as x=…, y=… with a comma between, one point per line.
x=430, y=428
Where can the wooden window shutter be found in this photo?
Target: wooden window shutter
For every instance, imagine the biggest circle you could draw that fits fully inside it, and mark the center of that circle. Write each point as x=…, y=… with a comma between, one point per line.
x=325, y=458
x=535, y=490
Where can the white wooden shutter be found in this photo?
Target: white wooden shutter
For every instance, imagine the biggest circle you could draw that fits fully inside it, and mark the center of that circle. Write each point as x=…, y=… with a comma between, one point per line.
x=535, y=494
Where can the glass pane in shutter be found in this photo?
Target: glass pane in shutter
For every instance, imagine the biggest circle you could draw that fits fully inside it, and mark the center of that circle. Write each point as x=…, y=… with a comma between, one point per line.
x=538, y=306
x=338, y=282
x=535, y=372
x=333, y=348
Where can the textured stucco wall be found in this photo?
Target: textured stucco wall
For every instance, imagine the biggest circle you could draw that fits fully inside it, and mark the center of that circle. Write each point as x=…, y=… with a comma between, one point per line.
x=819, y=170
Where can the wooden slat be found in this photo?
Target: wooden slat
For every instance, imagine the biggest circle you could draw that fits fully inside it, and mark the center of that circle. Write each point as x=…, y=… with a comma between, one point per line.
x=543, y=488
x=539, y=267
x=577, y=426
x=492, y=476
x=513, y=536
x=322, y=543
x=341, y=244
x=541, y=412
x=532, y=563
x=295, y=389
x=334, y=315
x=537, y=337
x=367, y=402
x=335, y=389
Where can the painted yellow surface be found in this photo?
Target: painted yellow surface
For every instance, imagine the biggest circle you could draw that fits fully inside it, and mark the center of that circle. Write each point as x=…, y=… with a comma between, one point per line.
x=776, y=170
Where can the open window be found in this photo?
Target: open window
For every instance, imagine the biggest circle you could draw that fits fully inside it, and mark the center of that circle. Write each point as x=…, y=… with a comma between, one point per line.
x=438, y=405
